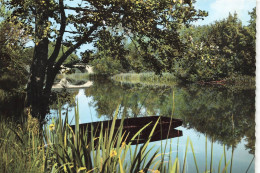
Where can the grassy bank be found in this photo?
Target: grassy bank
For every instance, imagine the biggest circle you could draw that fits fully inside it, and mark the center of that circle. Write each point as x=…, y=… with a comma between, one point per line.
x=150, y=79
x=167, y=79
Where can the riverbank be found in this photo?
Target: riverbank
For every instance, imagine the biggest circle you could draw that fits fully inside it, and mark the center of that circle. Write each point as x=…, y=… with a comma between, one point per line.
x=167, y=79
x=149, y=79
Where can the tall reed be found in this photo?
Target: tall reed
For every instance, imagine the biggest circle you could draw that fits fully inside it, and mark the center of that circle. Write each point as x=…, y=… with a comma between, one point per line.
x=57, y=147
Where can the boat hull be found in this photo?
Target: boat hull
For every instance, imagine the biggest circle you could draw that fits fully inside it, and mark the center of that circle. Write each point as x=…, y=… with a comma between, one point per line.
x=165, y=128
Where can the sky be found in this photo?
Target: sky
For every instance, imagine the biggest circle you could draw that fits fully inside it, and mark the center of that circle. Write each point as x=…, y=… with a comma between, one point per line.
x=219, y=9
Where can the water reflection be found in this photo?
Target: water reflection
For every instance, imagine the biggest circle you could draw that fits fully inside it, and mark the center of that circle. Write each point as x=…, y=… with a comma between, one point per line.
x=222, y=117
x=227, y=116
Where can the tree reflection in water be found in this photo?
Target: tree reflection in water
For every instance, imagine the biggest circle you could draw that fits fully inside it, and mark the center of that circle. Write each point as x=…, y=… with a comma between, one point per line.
x=225, y=115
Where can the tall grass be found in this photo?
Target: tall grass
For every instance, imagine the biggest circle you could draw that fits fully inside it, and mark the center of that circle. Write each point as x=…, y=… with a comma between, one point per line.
x=74, y=152
x=57, y=147
x=21, y=147
x=148, y=78
x=239, y=82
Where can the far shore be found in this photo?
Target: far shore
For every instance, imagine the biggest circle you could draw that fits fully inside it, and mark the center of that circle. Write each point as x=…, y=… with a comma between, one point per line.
x=65, y=84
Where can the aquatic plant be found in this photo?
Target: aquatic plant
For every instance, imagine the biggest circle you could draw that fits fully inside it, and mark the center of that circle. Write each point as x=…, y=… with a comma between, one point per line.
x=60, y=147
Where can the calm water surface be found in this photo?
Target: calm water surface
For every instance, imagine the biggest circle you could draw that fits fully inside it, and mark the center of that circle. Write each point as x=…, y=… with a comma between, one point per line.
x=214, y=118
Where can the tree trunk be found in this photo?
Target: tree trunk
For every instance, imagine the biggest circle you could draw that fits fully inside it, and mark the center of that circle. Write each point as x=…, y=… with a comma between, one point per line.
x=36, y=99
x=44, y=70
x=35, y=96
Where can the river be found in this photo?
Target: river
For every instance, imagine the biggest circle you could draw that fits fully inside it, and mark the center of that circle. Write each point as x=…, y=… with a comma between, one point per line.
x=219, y=121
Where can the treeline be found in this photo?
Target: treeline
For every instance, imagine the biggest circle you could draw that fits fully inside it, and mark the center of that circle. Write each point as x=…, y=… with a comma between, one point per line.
x=13, y=54
x=212, y=52
x=223, y=49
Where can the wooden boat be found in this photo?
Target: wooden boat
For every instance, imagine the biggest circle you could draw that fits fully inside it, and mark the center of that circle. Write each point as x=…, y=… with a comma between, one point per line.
x=163, y=130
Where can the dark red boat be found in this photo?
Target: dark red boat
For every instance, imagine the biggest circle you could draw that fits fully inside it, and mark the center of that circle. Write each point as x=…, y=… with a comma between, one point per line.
x=163, y=130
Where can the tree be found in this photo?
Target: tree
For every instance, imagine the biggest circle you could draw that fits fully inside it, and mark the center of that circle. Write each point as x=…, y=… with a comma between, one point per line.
x=222, y=49
x=250, y=31
x=149, y=19
x=110, y=54
x=137, y=63
x=13, y=55
x=234, y=42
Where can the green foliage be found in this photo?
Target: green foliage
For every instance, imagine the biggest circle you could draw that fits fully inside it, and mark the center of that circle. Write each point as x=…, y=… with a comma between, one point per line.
x=4, y=13
x=14, y=59
x=219, y=50
x=110, y=55
x=106, y=65
x=150, y=21
x=72, y=59
x=134, y=57
x=252, y=21
x=154, y=24
x=213, y=52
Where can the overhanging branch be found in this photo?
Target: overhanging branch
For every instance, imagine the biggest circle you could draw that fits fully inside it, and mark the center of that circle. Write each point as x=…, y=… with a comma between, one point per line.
x=74, y=47
x=56, y=50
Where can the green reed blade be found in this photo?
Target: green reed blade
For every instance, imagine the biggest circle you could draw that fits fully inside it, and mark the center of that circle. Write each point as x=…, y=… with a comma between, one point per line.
x=170, y=159
x=250, y=164
x=144, y=146
x=186, y=150
x=232, y=158
x=225, y=169
x=121, y=166
x=197, y=168
x=206, y=153
x=225, y=157
x=76, y=155
x=76, y=124
x=112, y=128
x=144, y=156
x=178, y=166
x=219, y=165
x=151, y=134
x=135, y=158
x=139, y=132
x=59, y=128
x=211, y=156
x=86, y=154
x=140, y=158
x=120, y=130
x=173, y=104
x=151, y=160
x=174, y=168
